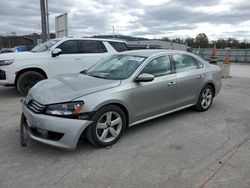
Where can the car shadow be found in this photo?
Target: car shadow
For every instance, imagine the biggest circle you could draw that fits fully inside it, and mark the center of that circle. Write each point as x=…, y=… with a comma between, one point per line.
x=159, y=121
x=36, y=148
x=8, y=92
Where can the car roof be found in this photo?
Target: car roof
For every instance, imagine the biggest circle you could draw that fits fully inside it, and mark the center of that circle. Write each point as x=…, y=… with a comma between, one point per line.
x=152, y=52
x=91, y=38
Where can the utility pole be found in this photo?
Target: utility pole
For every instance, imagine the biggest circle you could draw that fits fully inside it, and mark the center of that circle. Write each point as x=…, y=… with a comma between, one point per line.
x=1, y=43
x=43, y=21
x=47, y=19
x=113, y=32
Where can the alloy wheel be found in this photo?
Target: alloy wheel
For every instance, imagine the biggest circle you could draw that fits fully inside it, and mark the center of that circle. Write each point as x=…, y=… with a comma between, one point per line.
x=207, y=96
x=109, y=126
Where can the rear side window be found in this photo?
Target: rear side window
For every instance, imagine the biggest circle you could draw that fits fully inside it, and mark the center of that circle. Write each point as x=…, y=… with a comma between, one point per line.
x=184, y=63
x=159, y=66
x=69, y=47
x=91, y=46
x=119, y=46
x=199, y=64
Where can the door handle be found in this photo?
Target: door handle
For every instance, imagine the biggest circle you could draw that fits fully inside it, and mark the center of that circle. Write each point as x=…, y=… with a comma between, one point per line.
x=200, y=76
x=171, y=83
x=77, y=58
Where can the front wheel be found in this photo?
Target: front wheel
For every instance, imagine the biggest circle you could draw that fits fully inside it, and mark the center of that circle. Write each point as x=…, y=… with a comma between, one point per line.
x=27, y=80
x=108, y=126
x=205, y=98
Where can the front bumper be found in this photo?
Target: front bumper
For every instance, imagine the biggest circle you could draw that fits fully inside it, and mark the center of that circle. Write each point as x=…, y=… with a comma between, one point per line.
x=67, y=131
x=2, y=75
x=7, y=76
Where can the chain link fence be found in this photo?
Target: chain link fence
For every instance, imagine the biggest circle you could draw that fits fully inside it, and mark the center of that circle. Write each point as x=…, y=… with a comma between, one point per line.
x=235, y=55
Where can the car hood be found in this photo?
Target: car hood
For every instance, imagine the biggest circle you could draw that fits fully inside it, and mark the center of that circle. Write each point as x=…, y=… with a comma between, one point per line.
x=67, y=88
x=23, y=55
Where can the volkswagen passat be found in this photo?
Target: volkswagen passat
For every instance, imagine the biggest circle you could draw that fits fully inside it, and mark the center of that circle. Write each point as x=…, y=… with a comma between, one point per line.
x=121, y=91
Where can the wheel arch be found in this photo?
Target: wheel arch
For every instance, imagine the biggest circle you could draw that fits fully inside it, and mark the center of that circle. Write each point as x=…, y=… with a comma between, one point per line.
x=118, y=103
x=124, y=109
x=36, y=69
x=212, y=85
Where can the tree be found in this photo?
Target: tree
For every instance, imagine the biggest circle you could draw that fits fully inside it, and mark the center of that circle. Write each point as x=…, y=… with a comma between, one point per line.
x=232, y=43
x=190, y=42
x=221, y=43
x=201, y=40
x=166, y=39
x=178, y=40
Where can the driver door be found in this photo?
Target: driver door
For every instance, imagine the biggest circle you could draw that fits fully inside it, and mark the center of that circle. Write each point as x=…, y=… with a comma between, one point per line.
x=155, y=97
x=70, y=61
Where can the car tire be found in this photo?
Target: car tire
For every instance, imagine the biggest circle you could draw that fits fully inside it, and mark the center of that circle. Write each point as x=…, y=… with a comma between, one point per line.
x=205, y=98
x=108, y=126
x=27, y=80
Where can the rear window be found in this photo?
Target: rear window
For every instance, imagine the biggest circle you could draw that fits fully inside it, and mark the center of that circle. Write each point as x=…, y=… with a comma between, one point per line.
x=119, y=46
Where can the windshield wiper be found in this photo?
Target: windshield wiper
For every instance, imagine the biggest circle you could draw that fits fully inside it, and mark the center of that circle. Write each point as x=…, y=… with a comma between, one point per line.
x=97, y=76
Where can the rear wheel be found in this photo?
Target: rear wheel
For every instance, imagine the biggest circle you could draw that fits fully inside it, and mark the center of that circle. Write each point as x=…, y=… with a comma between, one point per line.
x=205, y=98
x=27, y=80
x=108, y=126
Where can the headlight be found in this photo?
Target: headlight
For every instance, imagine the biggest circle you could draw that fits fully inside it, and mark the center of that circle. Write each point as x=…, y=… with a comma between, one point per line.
x=65, y=109
x=6, y=62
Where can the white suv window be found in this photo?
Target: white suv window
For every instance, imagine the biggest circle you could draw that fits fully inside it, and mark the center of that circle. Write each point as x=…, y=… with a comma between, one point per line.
x=119, y=46
x=91, y=46
x=69, y=47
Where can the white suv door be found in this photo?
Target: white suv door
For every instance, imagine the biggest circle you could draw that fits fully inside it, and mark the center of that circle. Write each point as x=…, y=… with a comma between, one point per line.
x=70, y=61
x=93, y=51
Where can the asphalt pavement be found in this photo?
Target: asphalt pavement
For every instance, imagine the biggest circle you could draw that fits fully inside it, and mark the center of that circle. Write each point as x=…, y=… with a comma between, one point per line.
x=184, y=149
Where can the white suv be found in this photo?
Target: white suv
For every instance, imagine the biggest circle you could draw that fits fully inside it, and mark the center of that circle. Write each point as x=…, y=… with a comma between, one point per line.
x=54, y=57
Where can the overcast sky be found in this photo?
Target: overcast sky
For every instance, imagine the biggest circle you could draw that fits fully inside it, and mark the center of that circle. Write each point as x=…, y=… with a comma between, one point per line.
x=142, y=18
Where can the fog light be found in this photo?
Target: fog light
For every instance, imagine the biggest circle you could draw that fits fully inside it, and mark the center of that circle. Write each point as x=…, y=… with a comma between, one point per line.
x=44, y=133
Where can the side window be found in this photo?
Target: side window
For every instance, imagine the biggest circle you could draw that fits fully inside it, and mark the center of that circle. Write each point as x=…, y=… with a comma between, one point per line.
x=159, y=66
x=91, y=46
x=119, y=46
x=69, y=47
x=184, y=63
x=199, y=64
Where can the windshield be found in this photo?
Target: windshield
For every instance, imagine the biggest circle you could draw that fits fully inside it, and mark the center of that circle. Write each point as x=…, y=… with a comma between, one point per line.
x=117, y=67
x=44, y=46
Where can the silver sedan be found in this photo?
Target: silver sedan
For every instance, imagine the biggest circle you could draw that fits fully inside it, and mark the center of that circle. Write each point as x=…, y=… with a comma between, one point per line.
x=122, y=90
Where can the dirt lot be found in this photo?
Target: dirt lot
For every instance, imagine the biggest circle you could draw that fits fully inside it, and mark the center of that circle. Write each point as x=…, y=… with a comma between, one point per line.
x=185, y=149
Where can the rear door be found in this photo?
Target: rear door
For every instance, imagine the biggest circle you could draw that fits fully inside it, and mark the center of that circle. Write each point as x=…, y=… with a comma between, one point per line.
x=190, y=78
x=155, y=97
x=92, y=51
x=70, y=61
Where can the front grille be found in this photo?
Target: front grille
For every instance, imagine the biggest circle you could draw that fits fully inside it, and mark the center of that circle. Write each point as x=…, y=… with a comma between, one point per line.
x=33, y=105
x=2, y=75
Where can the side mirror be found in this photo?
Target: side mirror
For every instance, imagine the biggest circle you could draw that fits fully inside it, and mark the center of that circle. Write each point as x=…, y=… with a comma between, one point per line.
x=145, y=77
x=56, y=52
x=84, y=71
